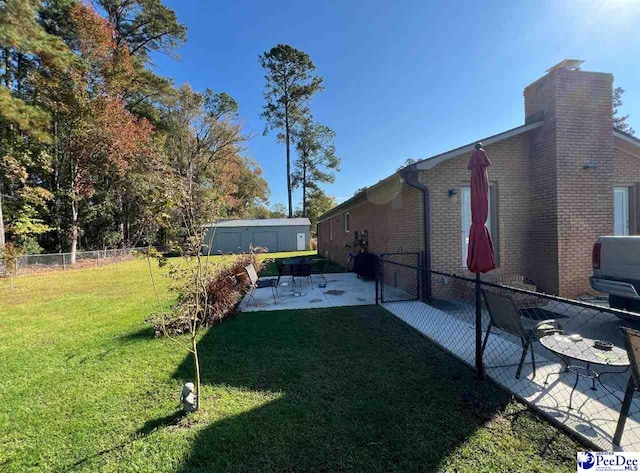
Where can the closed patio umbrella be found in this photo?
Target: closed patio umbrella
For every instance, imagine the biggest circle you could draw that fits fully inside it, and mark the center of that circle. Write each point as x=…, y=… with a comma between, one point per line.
x=480, y=257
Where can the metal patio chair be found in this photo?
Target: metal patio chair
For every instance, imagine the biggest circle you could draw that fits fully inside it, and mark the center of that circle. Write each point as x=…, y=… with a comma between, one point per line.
x=301, y=270
x=505, y=316
x=319, y=267
x=258, y=283
x=632, y=345
x=283, y=270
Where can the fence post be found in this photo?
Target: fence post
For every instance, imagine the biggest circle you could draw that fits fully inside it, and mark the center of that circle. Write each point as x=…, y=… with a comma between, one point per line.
x=418, y=276
x=64, y=263
x=426, y=278
x=377, y=276
x=479, y=367
x=381, y=279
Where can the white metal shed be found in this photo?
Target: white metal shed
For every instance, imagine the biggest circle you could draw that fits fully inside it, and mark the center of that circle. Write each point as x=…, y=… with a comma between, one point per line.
x=275, y=234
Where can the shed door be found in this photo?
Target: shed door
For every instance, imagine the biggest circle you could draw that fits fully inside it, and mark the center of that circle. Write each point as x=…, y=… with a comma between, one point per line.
x=268, y=240
x=227, y=242
x=302, y=244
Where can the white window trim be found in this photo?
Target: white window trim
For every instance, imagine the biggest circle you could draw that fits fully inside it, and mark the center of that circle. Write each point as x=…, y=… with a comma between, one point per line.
x=345, y=222
x=626, y=210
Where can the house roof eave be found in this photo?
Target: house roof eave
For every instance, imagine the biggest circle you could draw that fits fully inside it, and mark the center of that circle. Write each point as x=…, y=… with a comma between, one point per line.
x=626, y=137
x=430, y=162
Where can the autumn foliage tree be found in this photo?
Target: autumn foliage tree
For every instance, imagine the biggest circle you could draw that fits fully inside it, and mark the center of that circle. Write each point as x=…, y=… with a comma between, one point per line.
x=27, y=53
x=97, y=137
x=87, y=128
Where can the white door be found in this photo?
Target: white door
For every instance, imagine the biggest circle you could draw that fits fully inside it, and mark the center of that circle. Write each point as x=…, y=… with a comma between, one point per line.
x=465, y=211
x=465, y=200
x=302, y=244
x=621, y=210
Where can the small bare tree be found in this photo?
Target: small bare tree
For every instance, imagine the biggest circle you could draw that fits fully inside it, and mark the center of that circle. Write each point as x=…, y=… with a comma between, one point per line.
x=204, y=144
x=191, y=281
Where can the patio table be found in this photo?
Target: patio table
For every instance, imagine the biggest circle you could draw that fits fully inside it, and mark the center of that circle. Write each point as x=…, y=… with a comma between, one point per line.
x=584, y=351
x=297, y=266
x=294, y=261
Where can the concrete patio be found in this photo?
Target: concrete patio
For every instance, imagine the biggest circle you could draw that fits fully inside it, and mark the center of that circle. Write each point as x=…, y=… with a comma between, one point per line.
x=342, y=289
x=595, y=412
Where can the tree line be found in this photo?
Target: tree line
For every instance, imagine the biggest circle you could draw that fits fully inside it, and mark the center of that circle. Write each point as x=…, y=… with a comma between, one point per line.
x=96, y=150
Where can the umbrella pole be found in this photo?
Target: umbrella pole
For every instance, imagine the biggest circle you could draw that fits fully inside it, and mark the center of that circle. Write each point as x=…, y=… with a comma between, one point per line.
x=479, y=367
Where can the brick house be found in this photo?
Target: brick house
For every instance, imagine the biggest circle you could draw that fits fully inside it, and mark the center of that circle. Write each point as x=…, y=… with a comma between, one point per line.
x=558, y=181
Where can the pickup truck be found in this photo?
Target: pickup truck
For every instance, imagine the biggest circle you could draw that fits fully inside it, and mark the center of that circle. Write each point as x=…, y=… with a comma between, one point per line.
x=616, y=270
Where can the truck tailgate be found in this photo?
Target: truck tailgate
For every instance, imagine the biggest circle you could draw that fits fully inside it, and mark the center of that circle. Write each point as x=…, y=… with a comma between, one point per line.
x=620, y=258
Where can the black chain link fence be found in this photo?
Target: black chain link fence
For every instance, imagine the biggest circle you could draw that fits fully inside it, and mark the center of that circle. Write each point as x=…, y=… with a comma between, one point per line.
x=565, y=358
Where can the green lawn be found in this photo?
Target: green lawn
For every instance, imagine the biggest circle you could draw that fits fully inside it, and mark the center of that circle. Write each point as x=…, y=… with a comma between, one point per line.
x=84, y=387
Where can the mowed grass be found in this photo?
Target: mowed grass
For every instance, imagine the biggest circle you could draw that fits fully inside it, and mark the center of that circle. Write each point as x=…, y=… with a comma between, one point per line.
x=85, y=387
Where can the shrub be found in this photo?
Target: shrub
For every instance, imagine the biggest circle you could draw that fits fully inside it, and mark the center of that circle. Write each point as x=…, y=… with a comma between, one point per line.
x=9, y=257
x=225, y=284
x=313, y=244
x=9, y=261
x=29, y=246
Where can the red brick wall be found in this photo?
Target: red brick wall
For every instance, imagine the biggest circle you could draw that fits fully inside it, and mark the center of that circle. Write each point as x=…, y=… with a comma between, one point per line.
x=392, y=215
x=550, y=208
x=542, y=266
x=571, y=205
x=509, y=174
x=627, y=173
x=585, y=196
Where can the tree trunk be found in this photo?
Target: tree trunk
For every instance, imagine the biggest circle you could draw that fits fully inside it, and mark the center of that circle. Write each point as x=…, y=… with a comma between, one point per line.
x=286, y=131
x=57, y=186
x=2, y=241
x=73, y=239
x=121, y=220
x=190, y=172
x=7, y=68
x=196, y=365
x=19, y=74
x=304, y=187
x=7, y=83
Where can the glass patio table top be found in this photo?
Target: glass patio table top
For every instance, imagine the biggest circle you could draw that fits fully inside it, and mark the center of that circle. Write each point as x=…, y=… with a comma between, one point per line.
x=584, y=350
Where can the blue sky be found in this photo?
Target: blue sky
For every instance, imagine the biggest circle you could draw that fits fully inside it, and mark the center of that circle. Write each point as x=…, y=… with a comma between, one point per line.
x=402, y=79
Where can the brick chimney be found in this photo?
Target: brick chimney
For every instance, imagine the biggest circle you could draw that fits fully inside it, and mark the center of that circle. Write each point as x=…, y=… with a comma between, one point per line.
x=572, y=168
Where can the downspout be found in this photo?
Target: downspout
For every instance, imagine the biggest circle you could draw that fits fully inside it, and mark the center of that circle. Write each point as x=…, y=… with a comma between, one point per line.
x=409, y=176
